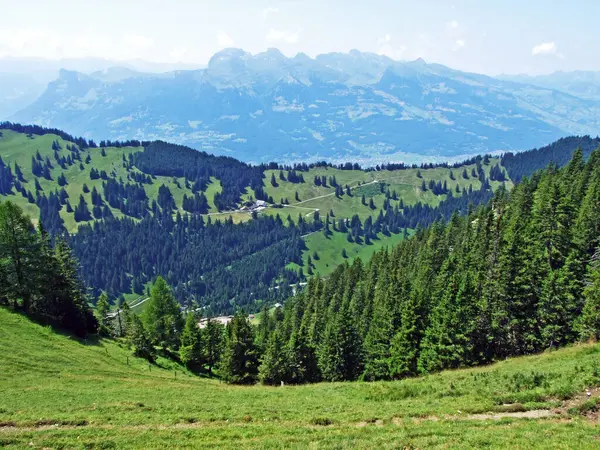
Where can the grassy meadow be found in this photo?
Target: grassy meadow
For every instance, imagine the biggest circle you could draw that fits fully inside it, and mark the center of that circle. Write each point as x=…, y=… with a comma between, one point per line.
x=58, y=392
x=18, y=148
x=329, y=251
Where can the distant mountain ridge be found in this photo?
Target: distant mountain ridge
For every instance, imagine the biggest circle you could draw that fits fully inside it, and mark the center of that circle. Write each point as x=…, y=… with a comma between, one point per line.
x=339, y=106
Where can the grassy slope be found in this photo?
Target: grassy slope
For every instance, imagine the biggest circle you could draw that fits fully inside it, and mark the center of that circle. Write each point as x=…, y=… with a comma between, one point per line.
x=96, y=400
x=329, y=250
x=405, y=182
x=17, y=147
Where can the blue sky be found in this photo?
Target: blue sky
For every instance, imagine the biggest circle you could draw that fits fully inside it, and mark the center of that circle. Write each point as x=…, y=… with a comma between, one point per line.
x=526, y=36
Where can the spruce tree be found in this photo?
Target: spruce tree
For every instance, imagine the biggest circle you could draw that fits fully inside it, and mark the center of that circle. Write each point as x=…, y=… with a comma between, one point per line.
x=18, y=254
x=274, y=367
x=102, y=311
x=589, y=323
x=192, y=348
x=239, y=361
x=213, y=343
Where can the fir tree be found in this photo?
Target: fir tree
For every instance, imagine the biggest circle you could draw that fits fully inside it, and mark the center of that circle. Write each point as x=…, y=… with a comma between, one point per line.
x=191, y=349
x=239, y=361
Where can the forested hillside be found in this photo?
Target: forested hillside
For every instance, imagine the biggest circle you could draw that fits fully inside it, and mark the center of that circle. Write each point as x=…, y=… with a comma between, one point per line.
x=516, y=276
x=524, y=164
x=152, y=208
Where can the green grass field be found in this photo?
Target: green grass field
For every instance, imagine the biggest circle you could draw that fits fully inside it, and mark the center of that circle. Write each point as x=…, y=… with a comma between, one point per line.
x=329, y=250
x=406, y=183
x=58, y=392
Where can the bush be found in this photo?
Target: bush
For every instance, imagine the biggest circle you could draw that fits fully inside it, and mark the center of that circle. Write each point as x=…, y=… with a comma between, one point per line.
x=321, y=421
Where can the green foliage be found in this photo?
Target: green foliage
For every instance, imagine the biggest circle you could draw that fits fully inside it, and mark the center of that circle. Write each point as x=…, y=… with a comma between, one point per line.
x=274, y=367
x=239, y=361
x=40, y=279
x=102, y=311
x=213, y=337
x=511, y=278
x=192, y=346
x=142, y=345
x=162, y=317
x=589, y=325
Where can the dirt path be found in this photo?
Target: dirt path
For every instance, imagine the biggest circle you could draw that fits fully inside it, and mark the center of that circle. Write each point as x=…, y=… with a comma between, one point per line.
x=533, y=414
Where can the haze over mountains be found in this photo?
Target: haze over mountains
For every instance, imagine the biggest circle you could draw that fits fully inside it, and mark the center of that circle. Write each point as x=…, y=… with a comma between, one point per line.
x=355, y=106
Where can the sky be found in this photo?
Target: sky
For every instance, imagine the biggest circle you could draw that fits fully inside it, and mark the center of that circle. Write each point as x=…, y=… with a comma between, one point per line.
x=491, y=37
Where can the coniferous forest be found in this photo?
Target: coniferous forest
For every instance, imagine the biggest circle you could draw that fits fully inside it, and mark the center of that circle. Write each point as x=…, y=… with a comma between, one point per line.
x=40, y=278
x=486, y=275
x=516, y=276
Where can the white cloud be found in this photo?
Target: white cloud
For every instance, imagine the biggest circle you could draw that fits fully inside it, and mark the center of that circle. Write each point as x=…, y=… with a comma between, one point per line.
x=391, y=51
x=452, y=24
x=138, y=40
x=269, y=10
x=546, y=48
x=385, y=47
x=224, y=40
x=460, y=43
x=280, y=35
x=384, y=39
x=29, y=42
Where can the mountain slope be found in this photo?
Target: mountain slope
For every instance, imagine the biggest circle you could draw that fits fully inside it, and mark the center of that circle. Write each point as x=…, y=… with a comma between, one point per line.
x=580, y=83
x=60, y=392
x=357, y=106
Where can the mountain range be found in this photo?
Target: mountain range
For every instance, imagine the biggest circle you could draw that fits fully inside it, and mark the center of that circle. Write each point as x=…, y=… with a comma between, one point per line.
x=339, y=106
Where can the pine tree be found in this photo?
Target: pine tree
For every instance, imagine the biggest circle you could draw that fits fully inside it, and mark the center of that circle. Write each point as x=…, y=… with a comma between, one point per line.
x=18, y=250
x=381, y=331
x=274, y=367
x=302, y=359
x=589, y=323
x=239, y=361
x=213, y=343
x=339, y=356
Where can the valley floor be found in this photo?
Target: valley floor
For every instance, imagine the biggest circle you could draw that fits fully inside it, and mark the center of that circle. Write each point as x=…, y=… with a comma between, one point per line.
x=57, y=392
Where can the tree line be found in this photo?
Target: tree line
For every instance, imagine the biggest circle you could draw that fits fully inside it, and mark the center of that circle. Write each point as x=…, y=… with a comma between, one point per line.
x=516, y=276
x=38, y=277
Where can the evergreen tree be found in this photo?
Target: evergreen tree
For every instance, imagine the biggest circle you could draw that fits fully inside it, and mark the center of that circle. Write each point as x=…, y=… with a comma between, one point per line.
x=162, y=317
x=274, y=367
x=102, y=311
x=239, y=361
x=339, y=356
x=213, y=343
x=18, y=254
x=589, y=324
x=142, y=346
x=191, y=349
